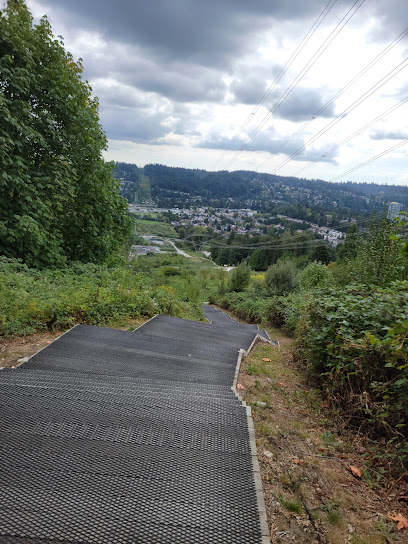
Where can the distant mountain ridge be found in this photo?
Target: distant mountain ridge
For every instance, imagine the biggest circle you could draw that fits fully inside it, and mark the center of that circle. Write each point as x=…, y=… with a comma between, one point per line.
x=182, y=187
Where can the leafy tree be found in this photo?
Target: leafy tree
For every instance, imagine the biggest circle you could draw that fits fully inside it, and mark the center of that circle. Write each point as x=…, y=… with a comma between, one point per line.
x=380, y=260
x=240, y=277
x=322, y=254
x=258, y=260
x=58, y=199
x=282, y=277
x=351, y=246
x=314, y=275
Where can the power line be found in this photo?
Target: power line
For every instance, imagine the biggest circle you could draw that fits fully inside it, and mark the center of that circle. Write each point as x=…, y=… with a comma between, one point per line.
x=356, y=133
x=282, y=72
x=396, y=146
x=333, y=34
x=340, y=93
x=345, y=112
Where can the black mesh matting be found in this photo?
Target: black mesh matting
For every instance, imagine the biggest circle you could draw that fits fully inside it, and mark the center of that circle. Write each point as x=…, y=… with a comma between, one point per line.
x=173, y=327
x=222, y=321
x=99, y=351
x=112, y=437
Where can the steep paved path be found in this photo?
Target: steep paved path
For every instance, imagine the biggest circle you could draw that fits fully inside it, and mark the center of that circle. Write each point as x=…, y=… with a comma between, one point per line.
x=112, y=437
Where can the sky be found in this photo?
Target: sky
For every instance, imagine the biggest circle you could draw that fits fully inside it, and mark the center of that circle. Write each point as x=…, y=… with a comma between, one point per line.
x=290, y=87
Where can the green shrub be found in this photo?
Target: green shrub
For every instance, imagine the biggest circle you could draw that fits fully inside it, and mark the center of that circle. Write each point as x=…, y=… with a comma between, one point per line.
x=32, y=300
x=240, y=277
x=281, y=278
x=314, y=275
x=171, y=271
x=286, y=312
x=354, y=342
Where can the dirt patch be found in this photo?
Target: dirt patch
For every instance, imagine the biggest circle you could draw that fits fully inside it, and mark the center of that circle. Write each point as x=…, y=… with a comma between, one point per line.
x=13, y=349
x=311, y=495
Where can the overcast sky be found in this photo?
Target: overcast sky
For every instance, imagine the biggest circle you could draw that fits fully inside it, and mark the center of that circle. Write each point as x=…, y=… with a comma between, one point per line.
x=178, y=79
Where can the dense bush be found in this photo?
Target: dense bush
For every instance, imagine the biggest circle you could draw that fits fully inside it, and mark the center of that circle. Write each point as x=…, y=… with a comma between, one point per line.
x=240, y=277
x=314, y=275
x=282, y=278
x=31, y=300
x=354, y=342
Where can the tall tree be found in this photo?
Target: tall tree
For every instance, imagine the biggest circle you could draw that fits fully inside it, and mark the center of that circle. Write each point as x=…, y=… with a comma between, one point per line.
x=351, y=246
x=58, y=199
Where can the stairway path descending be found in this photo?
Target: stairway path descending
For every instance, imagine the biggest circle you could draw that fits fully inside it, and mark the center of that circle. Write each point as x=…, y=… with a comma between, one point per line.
x=224, y=321
x=116, y=437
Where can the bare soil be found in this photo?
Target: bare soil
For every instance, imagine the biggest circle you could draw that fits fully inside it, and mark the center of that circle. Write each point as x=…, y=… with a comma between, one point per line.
x=13, y=349
x=310, y=492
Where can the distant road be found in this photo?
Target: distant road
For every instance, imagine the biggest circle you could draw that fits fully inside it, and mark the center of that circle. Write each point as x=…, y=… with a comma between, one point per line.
x=181, y=252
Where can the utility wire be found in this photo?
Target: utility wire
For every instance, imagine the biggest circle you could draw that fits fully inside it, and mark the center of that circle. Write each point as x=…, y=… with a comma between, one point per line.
x=396, y=146
x=282, y=72
x=345, y=112
x=333, y=34
x=340, y=93
x=365, y=127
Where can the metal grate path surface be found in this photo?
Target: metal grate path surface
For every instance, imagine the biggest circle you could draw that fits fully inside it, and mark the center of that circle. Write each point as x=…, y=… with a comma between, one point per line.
x=223, y=321
x=112, y=437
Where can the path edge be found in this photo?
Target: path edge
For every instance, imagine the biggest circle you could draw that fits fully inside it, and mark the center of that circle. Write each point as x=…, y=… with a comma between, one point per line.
x=256, y=471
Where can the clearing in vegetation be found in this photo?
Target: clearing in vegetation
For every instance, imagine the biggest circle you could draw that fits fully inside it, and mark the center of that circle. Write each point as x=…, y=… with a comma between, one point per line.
x=154, y=228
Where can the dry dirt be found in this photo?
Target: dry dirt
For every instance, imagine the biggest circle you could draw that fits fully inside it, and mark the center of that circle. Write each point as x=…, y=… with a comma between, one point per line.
x=12, y=350
x=311, y=495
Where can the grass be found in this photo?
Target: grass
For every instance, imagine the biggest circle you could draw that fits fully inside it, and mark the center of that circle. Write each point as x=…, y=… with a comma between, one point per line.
x=155, y=228
x=291, y=505
x=265, y=429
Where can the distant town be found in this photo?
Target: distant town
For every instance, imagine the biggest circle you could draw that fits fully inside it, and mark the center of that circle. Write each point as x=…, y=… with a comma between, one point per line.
x=241, y=221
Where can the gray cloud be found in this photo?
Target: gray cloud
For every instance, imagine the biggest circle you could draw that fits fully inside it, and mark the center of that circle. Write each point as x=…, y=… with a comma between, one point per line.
x=301, y=104
x=274, y=146
x=182, y=82
x=392, y=17
x=134, y=124
x=250, y=83
x=388, y=135
x=120, y=96
x=210, y=32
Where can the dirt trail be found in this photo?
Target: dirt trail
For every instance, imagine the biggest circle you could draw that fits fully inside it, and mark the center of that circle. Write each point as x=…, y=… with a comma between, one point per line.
x=310, y=492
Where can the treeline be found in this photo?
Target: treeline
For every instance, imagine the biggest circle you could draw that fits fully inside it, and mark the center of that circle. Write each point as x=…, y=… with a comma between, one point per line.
x=305, y=199
x=262, y=251
x=58, y=199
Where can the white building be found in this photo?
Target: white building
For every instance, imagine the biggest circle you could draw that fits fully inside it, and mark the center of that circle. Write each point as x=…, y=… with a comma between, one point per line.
x=394, y=209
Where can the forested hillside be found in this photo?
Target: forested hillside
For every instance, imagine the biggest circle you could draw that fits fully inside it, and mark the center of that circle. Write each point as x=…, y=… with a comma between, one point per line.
x=305, y=199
